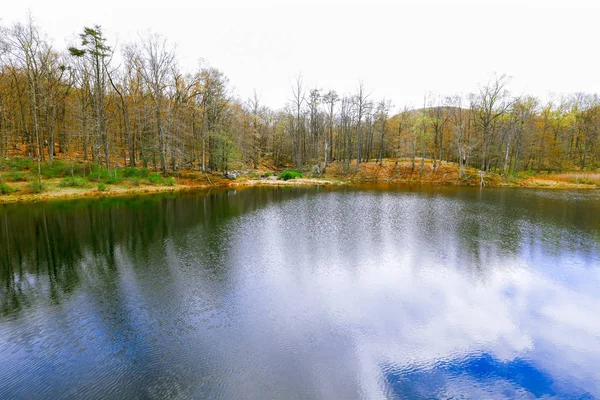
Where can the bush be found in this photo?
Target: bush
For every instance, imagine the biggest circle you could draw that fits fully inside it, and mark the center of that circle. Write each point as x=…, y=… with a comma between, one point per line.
x=169, y=181
x=17, y=177
x=18, y=164
x=136, y=181
x=98, y=174
x=5, y=189
x=135, y=172
x=268, y=174
x=290, y=174
x=144, y=172
x=55, y=168
x=114, y=180
x=130, y=172
x=154, y=178
x=35, y=187
x=102, y=187
x=75, y=181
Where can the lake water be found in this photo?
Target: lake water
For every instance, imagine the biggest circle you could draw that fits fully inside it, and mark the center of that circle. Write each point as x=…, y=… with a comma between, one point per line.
x=303, y=293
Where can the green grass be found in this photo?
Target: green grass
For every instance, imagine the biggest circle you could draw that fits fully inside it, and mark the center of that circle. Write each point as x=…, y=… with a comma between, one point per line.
x=17, y=164
x=102, y=187
x=75, y=181
x=18, y=171
x=35, y=187
x=135, y=172
x=55, y=169
x=5, y=189
x=113, y=180
x=17, y=177
x=98, y=174
x=155, y=178
x=290, y=174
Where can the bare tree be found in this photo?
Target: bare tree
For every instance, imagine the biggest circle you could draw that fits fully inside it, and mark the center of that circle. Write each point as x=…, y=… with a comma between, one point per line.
x=330, y=99
x=493, y=102
x=362, y=107
x=458, y=123
x=423, y=136
x=403, y=124
x=256, y=125
x=157, y=62
x=298, y=100
x=28, y=51
x=315, y=125
x=383, y=109
x=437, y=119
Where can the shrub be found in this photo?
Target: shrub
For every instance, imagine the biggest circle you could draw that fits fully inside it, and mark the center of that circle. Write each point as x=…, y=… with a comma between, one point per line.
x=35, y=187
x=268, y=174
x=75, y=181
x=5, y=189
x=98, y=174
x=136, y=181
x=154, y=178
x=17, y=177
x=114, y=180
x=290, y=174
x=130, y=172
x=513, y=178
x=19, y=164
x=102, y=187
x=144, y=172
x=78, y=169
x=169, y=181
x=55, y=168
x=135, y=172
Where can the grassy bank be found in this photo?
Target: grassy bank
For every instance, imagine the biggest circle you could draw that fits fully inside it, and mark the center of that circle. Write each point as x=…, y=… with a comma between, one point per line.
x=402, y=171
x=19, y=178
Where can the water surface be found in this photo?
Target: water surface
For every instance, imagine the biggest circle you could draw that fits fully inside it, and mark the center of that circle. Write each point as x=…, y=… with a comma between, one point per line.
x=307, y=293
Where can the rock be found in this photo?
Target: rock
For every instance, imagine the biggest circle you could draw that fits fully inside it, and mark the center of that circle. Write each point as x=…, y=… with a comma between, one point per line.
x=272, y=178
x=230, y=176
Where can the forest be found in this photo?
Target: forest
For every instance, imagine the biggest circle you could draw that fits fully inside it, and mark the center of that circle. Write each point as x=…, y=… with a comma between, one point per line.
x=78, y=103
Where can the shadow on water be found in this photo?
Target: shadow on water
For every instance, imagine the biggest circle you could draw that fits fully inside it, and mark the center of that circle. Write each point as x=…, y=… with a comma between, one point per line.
x=50, y=241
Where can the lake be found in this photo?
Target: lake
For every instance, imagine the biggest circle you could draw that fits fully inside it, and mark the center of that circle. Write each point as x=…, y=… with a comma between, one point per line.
x=379, y=292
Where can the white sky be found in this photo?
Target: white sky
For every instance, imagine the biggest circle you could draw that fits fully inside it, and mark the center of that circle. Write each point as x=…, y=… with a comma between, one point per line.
x=399, y=49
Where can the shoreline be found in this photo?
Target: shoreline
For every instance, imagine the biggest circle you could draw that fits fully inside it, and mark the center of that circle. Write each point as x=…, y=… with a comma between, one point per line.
x=390, y=172
x=121, y=190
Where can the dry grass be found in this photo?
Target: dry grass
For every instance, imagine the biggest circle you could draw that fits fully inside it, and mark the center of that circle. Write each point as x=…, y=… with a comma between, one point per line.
x=586, y=178
x=290, y=182
x=401, y=171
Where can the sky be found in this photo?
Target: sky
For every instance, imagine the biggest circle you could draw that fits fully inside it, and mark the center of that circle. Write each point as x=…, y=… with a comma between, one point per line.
x=400, y=50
